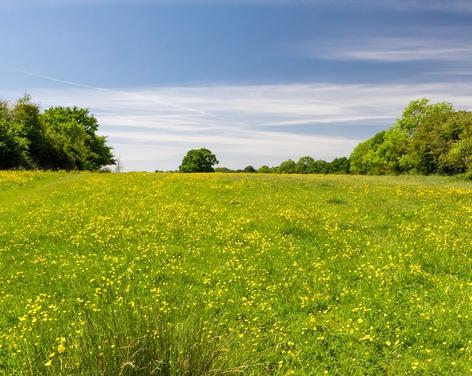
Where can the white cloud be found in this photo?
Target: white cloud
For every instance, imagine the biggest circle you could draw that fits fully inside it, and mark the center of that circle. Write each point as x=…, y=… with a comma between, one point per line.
x=153, y=128
x=386, y=49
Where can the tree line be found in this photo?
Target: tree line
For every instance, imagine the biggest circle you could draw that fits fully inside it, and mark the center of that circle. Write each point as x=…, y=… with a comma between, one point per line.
x=305, y=165
x=203, y=160
x=429, y=138
x=59, y=138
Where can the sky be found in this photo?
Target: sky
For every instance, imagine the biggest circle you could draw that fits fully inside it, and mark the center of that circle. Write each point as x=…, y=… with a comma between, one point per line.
x=256, y=81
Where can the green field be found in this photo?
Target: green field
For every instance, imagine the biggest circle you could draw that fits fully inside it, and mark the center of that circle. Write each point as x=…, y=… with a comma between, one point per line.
x=175, y=274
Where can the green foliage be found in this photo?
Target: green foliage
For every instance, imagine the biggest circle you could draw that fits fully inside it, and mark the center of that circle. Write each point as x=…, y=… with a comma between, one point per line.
x=338, y=166
x=59, y=138
x=320, y=167
x=365, y=157
x=287, y=167
x=427, y=139
x=264, y=169
x=305, y=165
x=14, y=144
x=198, y=160
x=223, y=169
x=308, y=165
x=249, y=169
x=75, y=144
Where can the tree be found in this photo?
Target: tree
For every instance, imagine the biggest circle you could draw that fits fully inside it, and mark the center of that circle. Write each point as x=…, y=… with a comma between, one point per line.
x=73, y=142
x=320, y=167
x=287, y=167
x=26, y=116
x=305, y=165
x=198, y=160
x=431, y=138
x=365, y=159
x=119, y=166
x=249, y=169
x=339, y=166
x=14, y=145
x=428, y=138
x=223, y=169
x=458, y=158
x=264, y=169
x=59, y=138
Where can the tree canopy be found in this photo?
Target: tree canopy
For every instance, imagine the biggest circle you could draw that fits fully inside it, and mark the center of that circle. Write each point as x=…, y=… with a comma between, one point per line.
x=427, y=139
x=309, y=165
x=58, y=138
x=198, y=160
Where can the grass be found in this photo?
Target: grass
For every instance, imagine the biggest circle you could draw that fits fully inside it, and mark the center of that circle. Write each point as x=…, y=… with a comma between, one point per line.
x=174, y=274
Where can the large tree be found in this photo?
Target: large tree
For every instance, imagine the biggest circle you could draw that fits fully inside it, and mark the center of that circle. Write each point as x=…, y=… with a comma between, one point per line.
x=198, y=160
x=59, y=138
x=75, y=145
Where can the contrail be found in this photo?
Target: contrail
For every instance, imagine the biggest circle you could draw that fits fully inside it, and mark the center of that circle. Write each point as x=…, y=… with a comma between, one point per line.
x=85, y=86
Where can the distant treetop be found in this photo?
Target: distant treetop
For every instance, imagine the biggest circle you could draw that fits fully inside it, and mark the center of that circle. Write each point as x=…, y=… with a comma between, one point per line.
x=198, y=160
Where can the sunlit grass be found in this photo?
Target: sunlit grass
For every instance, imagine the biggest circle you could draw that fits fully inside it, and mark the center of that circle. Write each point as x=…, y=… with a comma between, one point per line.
x=175, y=274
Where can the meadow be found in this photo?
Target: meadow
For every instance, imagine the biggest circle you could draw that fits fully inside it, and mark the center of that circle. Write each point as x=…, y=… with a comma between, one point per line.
x=179, y=274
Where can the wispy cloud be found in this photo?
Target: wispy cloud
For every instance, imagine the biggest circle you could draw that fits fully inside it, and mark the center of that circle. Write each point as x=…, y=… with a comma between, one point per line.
x=398, y=49
x=151, y=128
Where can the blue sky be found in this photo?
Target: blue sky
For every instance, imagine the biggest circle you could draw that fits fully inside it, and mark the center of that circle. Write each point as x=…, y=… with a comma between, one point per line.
x=256, y=81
